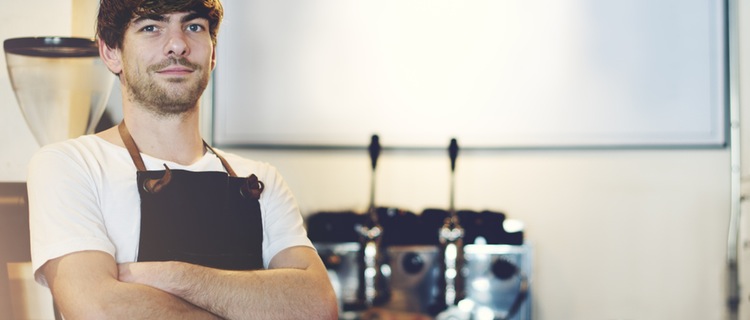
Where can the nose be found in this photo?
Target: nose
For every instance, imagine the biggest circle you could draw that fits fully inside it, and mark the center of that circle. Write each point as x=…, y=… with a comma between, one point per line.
x=176, y=45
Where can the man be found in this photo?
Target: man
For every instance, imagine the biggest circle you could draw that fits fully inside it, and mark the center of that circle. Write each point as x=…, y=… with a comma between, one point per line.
x=144, y=220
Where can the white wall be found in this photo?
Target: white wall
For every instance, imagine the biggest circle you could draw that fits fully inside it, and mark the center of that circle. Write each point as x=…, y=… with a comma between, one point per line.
x=23, y=19
x=618, y=234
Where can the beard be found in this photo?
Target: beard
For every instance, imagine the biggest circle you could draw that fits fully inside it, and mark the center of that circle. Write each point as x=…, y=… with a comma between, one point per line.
x=161, y=99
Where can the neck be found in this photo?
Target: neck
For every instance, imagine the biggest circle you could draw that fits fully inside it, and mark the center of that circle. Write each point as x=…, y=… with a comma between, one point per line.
x=173, y=138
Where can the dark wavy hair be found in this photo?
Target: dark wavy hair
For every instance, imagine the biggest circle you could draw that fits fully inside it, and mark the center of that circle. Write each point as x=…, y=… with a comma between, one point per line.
x=115, y=15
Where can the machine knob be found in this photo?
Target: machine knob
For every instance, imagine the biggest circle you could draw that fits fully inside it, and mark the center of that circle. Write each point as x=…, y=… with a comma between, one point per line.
x=332, y=261
x=503, y=269
x=412, y=263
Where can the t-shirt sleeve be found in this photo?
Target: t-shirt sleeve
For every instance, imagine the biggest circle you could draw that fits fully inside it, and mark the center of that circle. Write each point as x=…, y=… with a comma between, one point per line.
x=283, y=224
x=64, y=210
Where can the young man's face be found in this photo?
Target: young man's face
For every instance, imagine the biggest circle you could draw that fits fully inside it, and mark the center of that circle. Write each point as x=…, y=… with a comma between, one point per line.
x=166, y=61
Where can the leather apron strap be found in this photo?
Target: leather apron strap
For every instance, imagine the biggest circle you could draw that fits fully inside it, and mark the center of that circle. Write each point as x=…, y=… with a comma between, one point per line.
x=135, y=154
x=127, y=139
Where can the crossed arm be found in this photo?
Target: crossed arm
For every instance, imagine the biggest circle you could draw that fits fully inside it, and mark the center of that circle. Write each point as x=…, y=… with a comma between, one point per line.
x=90, y=284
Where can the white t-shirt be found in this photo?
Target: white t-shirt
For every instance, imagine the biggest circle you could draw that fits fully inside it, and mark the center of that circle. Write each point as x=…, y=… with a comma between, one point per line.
x=83, y=196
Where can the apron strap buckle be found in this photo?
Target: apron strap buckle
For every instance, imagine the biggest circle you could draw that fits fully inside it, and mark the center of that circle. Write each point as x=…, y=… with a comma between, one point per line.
x=156, y=185
x=252, y=188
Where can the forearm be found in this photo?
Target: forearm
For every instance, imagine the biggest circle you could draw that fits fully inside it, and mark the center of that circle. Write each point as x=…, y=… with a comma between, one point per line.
x=265, y=294
x=85, y=286
x=296, y=292
x=129, y=301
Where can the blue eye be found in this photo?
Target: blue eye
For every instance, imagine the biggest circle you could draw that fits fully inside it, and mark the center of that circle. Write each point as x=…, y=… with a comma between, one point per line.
x=195, y=27
x=149, y=28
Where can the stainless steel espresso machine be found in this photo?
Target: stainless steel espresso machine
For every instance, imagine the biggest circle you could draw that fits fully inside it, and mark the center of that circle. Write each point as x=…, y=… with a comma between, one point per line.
x=350, y=245
x=440, y=264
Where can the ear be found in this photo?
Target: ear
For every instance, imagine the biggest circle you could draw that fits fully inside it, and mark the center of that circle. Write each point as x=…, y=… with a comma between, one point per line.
x=213, y=58
x=111, y=57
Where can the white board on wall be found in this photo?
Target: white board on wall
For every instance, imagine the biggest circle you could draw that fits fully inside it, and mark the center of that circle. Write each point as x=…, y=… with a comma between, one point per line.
x=510, y=73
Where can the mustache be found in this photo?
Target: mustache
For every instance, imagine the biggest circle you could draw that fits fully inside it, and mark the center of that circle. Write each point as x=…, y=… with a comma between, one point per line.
x=174, y=61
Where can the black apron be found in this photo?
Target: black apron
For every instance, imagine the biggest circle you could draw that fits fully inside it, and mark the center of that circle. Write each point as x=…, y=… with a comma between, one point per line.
x=211, y=219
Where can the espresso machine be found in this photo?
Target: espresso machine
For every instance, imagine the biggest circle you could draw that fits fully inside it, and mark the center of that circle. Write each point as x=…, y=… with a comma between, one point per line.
x=426, y=269
x=443, y=264
x=350, y=246
x=60, y=83
x=335, y=237
x=498, y=282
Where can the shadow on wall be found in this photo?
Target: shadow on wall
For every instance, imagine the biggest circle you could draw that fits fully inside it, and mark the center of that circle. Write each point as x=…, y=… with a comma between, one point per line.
x=20, y=296
x=14, y=237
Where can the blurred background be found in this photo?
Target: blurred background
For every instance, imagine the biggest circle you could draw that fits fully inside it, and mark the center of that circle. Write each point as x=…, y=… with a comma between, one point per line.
x=623, y=232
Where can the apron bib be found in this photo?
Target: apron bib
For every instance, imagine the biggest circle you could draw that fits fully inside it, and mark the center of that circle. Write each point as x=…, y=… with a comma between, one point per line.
x=211, y=219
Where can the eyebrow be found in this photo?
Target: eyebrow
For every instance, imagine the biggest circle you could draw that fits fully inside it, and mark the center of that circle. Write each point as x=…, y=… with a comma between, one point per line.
x=155, y=17
x=163, y=18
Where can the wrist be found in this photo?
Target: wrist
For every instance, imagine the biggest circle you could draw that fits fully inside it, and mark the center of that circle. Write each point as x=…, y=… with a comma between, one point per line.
x=171, y=276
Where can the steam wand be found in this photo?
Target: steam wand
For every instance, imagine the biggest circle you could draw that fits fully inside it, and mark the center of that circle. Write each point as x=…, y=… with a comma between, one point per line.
x=451, y=240
x=374, y=150
x=371, y=284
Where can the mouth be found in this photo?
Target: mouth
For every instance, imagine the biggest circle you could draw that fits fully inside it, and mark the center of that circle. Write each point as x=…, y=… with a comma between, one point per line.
x=174, y=67
x=175, y=71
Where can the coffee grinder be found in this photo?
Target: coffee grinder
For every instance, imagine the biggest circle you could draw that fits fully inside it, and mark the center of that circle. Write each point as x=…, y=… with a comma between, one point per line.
x=61, y=85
